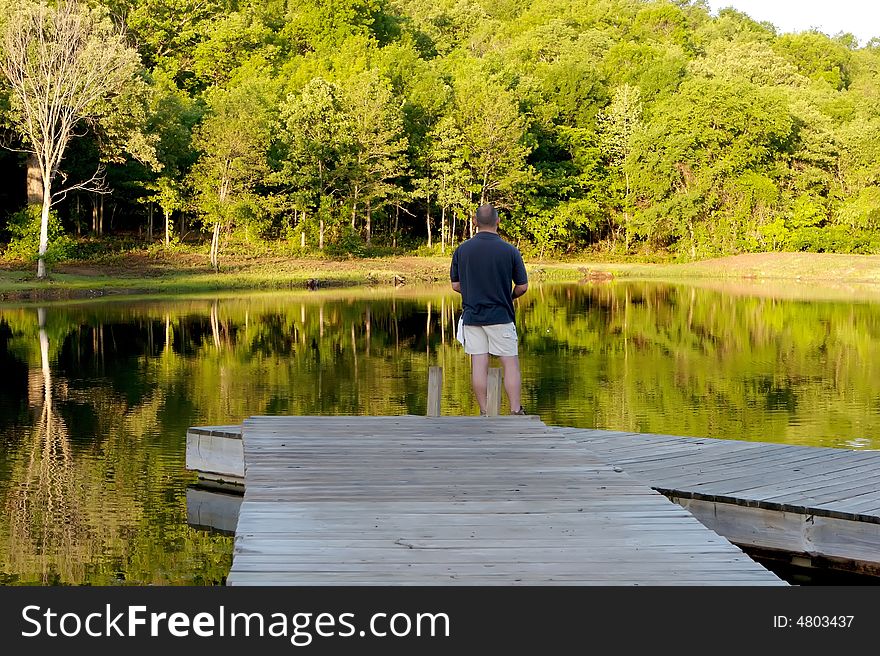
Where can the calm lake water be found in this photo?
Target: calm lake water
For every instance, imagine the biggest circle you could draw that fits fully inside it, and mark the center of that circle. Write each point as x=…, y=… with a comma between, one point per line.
x=95, y=398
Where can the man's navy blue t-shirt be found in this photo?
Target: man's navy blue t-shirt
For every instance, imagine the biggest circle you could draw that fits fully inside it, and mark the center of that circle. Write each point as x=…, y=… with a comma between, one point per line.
x=487, y=267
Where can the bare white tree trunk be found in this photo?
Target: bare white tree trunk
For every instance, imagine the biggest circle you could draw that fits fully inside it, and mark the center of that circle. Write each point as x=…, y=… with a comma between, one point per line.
x=354, y=205
x=60, y=61
x=215, y=247
x=443, y=230
x=44, y=229
x=452, y=229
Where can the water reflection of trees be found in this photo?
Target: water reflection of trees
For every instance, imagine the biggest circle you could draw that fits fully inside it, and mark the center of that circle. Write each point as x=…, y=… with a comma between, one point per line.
x=636, y=356
x=100, y=464
x=80, y=505
x=43, y=504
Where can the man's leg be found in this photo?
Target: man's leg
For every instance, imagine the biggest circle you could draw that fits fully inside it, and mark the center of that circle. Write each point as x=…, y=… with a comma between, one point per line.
x=512, y=380
x=480, y=377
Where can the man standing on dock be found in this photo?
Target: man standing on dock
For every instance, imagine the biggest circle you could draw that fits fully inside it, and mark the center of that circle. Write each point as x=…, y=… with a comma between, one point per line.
x=483, y=270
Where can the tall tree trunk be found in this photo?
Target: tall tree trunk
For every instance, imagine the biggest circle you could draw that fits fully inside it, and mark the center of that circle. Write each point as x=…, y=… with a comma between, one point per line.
x=321, y=233
x=302, y=234
x=368, y=227
x=44, y=228
x=428, y=217
x=34, y=181
x=215, y=247
x=396, y=224
x=222, y=195
x=626, y=220
x=452, y=229
x=443, y=230
x=354, y=205
x=150, y=228
x=167, y=216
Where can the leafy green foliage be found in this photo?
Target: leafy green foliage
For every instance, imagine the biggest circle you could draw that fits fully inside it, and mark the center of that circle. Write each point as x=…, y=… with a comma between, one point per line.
x=24, y=245
x=618, y=125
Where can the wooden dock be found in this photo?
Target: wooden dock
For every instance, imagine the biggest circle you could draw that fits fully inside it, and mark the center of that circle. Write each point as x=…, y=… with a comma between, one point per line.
x=414, y=500
x=216, y=452
x=812, y=505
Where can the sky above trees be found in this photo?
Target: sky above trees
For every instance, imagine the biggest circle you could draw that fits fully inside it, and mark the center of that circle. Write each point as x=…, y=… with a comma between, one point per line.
x=858, y=17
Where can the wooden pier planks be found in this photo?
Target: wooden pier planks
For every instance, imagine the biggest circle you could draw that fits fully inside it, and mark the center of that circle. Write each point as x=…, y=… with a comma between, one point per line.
x=817, y=501
x=833, y=482
x=459, y=501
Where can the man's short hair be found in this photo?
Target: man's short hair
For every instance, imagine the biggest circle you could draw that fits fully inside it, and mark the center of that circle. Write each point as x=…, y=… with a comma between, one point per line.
x=486, y=215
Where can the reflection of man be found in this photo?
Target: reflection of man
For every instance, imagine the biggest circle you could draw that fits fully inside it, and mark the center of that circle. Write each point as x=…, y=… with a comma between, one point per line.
x=483, y=269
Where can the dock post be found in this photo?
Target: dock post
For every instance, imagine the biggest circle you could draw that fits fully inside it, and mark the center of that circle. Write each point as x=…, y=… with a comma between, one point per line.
x=435, y=386
x=493, y=392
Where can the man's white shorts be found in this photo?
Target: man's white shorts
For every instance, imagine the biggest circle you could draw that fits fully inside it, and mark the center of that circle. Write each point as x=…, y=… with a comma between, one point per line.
x=497, y=339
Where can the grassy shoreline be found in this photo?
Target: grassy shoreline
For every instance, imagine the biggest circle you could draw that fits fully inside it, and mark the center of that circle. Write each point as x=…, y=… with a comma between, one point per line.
x=140, y=275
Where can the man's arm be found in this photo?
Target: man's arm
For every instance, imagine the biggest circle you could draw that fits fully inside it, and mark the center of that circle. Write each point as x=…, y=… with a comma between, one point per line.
x=519, y=274
x=453, y=273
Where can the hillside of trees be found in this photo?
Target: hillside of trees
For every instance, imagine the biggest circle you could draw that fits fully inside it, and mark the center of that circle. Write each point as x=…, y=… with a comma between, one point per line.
x=613, y=126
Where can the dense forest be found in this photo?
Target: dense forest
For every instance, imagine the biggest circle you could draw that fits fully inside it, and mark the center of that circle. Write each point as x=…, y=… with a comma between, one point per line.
x=618, y=126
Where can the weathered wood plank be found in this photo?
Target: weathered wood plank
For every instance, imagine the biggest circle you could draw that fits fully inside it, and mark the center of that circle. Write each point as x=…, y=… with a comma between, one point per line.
x=858, y=542
x=472, y=460
x=458, y=500
x=494, y=390
x=810, y=500
x=435, y=390
x=774, y=473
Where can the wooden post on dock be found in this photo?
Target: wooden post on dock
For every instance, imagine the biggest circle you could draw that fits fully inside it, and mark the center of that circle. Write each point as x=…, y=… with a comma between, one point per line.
x=493, y=392
x=435, y=387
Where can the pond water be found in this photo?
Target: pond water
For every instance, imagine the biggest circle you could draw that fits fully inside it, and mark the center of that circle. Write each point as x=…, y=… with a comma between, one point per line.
x=96, y=397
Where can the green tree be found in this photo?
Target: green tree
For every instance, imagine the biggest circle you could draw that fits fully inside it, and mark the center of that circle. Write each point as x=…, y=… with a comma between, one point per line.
x=64, y=64
x=232, y=140
x=167, y=31
x=818, y=57
x=709, y=133
x=173, y=116
x=316, y=143
x=378, y=144
x=619, y=126
x=448, y=181
x=494, y=135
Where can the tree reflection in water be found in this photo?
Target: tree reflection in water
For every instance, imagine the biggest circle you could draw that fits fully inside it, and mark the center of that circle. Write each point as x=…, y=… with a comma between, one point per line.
x=43, y=506
x=92, y=450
